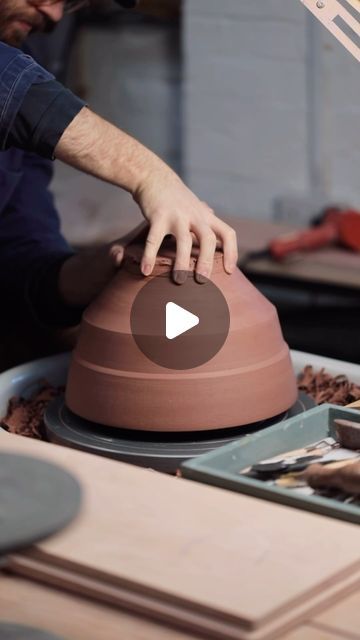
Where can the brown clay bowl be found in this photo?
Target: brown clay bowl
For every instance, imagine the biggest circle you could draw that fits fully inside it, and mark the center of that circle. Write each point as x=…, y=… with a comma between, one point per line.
x=112, y=382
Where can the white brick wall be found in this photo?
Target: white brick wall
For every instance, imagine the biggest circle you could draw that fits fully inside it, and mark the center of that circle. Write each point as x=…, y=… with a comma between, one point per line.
x=245, y=106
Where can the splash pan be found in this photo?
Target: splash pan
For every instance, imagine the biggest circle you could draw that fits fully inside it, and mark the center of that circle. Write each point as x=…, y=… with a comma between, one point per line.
x=161, y=451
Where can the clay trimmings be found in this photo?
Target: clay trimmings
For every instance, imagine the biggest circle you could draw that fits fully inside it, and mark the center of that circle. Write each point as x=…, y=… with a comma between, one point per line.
x=25, y=416
x=325, y=388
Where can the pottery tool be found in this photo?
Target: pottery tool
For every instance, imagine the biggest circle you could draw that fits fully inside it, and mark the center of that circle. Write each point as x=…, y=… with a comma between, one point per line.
x=348, y=433
x=345, y=477
x=293, y=464
x=341, y=18
x=270, y=468
x=334, y=226
x=285, y=445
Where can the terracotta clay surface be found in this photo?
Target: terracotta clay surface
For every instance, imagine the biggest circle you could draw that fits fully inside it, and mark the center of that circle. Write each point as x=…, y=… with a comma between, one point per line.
x=112, y=382
x=25, y=416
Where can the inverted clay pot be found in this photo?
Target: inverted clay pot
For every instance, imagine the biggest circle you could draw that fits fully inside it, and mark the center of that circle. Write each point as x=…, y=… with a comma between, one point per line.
x=112, y=382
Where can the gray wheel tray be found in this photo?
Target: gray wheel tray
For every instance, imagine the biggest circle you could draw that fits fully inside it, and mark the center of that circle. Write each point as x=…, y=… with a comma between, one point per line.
x=223, y=466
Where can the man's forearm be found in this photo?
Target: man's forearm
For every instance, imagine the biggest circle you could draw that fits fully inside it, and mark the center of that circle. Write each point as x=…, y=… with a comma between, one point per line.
x=93, y=145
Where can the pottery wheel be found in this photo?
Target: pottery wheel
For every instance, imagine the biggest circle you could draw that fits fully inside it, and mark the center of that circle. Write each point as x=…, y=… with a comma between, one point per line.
x=10, y=631
x=158, y=450
x=36, y=500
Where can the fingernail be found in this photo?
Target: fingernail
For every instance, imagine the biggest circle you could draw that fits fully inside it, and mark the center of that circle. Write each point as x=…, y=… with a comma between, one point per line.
x=201, y=278
x=229, y=268
x=179, y=276
x=146, y=269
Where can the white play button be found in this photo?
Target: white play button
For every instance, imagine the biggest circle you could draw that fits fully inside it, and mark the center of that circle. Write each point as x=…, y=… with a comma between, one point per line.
x=178, y=320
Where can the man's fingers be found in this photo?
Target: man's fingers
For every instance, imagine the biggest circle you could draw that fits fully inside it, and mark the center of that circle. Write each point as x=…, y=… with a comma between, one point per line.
x=116, y=254
x=229, y=244
x=205, y=260
x=184, y=242
x=152, y=246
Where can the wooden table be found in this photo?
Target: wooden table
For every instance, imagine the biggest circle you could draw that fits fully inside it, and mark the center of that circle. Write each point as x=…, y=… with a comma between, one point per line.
x=181, y=553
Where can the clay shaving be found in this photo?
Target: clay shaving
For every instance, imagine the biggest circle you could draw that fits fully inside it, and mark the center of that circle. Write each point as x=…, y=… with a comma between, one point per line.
x=25, y=416
x=326, y=388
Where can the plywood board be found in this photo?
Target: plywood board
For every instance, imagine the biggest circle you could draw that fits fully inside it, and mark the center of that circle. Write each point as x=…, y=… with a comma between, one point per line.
x=344, y=616
x=308, y=632
x=28, y=566
x=26, y=602
x=203, y=549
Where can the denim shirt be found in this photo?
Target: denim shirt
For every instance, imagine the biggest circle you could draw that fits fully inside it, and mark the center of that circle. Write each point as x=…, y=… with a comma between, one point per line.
x=32, y=248
x=18, y=72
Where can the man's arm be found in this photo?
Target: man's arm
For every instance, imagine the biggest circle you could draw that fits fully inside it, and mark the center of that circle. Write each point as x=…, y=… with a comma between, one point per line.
x=95, y=146
x=91, y=144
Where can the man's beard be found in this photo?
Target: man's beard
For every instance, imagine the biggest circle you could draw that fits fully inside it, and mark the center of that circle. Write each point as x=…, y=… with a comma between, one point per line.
x=10, y=32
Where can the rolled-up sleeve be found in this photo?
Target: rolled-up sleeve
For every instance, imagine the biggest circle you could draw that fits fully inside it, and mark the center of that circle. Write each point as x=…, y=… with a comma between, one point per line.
x=35, y=109
x=47, y=110
x=18, y=71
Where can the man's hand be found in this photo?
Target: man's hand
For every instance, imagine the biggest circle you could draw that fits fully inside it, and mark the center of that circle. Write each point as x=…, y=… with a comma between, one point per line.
x=95, y=146
x=83, y=276
x=171, y=208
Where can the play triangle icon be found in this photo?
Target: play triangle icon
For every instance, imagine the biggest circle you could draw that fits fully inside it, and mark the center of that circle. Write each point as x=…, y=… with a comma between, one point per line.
x=178, y=320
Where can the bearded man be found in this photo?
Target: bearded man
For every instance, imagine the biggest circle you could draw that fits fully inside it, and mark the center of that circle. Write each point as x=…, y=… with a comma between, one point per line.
x=40, y=120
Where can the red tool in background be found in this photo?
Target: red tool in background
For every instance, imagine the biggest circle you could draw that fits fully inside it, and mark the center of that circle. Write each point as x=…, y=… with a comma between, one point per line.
x=335, y=226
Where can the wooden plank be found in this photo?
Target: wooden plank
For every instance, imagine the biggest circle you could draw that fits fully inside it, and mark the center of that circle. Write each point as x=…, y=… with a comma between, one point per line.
x=309, y=632
x=344, y=616
x=71, y=616
x=27, y=566
x=199, y=547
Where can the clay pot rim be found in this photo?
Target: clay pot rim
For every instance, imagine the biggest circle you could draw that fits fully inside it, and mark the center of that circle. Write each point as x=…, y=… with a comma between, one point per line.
x=165, y=260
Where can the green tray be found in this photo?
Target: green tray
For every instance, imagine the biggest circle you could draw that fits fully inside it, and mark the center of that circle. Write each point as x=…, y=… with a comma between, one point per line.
x=222, y=467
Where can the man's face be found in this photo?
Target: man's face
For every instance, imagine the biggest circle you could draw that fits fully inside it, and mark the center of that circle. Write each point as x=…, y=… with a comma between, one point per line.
x=18, y=18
